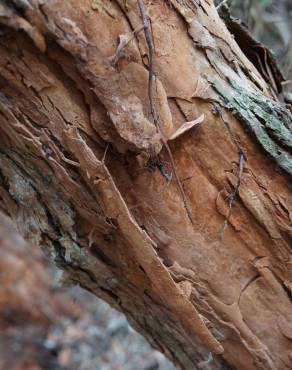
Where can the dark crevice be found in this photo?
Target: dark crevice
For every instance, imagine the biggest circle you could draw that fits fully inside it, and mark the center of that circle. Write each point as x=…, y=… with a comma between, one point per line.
x=142, y=269
x=3, y=180
x=89, y=273
x=179, y=108
x=287, y=291
x=111, y=294
x=100, y=255
x=43, y=13
x=60, y=251
x=202, y=8
x=247, y=285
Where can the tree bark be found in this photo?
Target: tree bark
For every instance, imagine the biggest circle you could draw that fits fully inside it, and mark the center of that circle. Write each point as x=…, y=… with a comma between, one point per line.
x=95, y=168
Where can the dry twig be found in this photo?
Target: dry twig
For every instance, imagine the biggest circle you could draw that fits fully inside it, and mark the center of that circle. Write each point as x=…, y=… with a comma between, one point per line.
x=232, y=196
x=150, y=45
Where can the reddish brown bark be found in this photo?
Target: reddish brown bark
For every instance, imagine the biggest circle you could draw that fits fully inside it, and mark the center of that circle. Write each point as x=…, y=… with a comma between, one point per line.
x=80, y=159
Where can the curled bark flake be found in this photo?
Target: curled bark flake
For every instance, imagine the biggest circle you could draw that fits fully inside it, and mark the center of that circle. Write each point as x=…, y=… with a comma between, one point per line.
x=186, y=127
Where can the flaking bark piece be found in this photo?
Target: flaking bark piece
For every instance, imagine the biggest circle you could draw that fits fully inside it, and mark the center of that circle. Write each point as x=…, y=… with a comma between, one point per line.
x=186, y=127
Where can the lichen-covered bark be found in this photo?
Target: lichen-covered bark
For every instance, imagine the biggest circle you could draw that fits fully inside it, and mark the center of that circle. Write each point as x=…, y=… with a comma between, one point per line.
x=83, y=172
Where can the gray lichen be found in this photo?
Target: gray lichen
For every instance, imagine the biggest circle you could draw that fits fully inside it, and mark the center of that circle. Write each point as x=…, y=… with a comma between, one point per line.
x=268, y=121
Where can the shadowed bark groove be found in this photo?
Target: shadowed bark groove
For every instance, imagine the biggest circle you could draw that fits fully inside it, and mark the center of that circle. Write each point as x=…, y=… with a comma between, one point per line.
x=83, y=172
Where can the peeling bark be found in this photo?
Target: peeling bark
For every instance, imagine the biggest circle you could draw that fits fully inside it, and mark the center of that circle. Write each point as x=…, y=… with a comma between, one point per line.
x=83, y=172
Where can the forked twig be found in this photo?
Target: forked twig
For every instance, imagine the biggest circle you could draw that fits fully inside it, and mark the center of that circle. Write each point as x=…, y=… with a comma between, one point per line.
x=151, y=78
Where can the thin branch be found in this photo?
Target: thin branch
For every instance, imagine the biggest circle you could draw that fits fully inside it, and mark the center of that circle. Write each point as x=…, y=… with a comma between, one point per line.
x=232, y=196
x=151, y=78
x=149, y=41
x=287, y=82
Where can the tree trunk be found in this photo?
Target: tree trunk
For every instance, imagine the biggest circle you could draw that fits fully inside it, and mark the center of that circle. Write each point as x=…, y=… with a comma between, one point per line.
x=166, y=196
